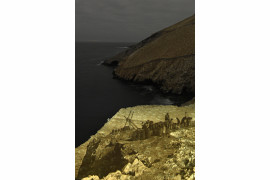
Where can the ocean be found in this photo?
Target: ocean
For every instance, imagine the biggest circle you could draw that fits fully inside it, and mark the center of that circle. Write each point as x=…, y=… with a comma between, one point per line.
x=98, y=96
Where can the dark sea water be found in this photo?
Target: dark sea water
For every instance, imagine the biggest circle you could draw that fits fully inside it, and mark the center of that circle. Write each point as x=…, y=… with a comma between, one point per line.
x=98, y=96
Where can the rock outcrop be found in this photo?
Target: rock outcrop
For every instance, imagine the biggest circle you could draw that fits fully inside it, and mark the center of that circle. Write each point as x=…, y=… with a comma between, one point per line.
x=167, y=59
x=115, y=156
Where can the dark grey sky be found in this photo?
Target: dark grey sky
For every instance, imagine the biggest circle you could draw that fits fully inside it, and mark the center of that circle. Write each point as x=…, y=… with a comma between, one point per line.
x=127, y=20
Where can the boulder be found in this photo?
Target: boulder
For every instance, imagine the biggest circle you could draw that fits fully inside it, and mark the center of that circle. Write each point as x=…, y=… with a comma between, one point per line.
x=136, y=168
x=117, y=176
x=128, y=169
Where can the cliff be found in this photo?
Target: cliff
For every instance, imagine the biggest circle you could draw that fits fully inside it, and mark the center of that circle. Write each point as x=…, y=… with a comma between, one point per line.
x=167, y=59
x=114, y=153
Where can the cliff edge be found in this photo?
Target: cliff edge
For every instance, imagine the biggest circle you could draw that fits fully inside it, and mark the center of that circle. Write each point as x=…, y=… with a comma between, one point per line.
x=167, y=59
x=155, y=149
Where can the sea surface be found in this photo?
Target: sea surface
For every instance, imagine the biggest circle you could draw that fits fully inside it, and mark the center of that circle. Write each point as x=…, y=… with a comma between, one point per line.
x=98, y=96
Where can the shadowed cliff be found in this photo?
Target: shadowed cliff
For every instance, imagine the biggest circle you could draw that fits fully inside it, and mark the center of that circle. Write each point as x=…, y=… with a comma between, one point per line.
x=167, y=59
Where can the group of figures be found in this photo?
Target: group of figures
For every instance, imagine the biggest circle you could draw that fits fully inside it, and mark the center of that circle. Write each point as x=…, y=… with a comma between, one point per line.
x=163, y=129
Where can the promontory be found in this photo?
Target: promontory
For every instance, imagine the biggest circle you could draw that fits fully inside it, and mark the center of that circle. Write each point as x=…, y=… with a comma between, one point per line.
x=166, y=59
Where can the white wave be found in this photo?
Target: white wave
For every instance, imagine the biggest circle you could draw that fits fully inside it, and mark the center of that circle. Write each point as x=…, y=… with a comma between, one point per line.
x=162, y=101
x=100, y=63
x=148, y=88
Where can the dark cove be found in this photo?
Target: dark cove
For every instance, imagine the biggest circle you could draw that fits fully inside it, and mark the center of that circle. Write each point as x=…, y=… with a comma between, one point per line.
x=98, y=96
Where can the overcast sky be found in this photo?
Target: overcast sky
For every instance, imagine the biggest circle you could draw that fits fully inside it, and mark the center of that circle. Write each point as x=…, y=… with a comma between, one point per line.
x=127, y=20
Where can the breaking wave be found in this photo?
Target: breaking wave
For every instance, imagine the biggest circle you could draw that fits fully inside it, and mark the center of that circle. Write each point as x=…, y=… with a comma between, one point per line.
x=100, y=63
x=161, y=100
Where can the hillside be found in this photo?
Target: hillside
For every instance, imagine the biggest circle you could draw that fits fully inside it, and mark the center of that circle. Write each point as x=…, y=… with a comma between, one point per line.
x=167, y=59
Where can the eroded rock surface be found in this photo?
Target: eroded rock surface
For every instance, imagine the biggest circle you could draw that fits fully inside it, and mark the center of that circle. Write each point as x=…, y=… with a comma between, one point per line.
x=116, y=156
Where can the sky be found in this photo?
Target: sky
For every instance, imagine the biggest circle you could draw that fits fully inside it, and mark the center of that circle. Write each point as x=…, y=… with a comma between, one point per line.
x=127, y=20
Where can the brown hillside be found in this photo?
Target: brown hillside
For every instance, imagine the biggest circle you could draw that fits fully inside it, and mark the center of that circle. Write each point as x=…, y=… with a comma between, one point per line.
x=167, y=58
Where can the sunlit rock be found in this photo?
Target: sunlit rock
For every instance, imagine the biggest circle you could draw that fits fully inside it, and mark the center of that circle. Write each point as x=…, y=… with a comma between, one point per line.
x=113, y=154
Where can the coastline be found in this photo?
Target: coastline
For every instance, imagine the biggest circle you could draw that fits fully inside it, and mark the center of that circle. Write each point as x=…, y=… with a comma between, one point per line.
x=159, y=139
x=96, y=89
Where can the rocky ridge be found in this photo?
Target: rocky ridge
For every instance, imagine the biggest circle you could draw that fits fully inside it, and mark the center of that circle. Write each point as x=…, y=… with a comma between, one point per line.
x=167, y=59
x=109, y=155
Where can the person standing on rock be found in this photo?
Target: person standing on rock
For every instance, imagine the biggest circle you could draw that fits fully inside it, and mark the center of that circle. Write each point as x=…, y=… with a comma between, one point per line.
x=183, y=121
x=188, y=121
x=167, y=117
x=178, y=122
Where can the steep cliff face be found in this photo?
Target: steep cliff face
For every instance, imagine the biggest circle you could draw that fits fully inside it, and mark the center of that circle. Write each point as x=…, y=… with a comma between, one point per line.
x=167, y=58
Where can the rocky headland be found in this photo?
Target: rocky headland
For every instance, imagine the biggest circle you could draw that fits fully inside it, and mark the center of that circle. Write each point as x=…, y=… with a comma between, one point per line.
x=154, y=153
x=166, y=59
x=144, y=142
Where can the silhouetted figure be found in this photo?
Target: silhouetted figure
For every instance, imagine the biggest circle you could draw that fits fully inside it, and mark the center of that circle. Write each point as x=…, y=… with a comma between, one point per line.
x=185, y=121
x=188, y=119
x=167, y=117
x=178, y=121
